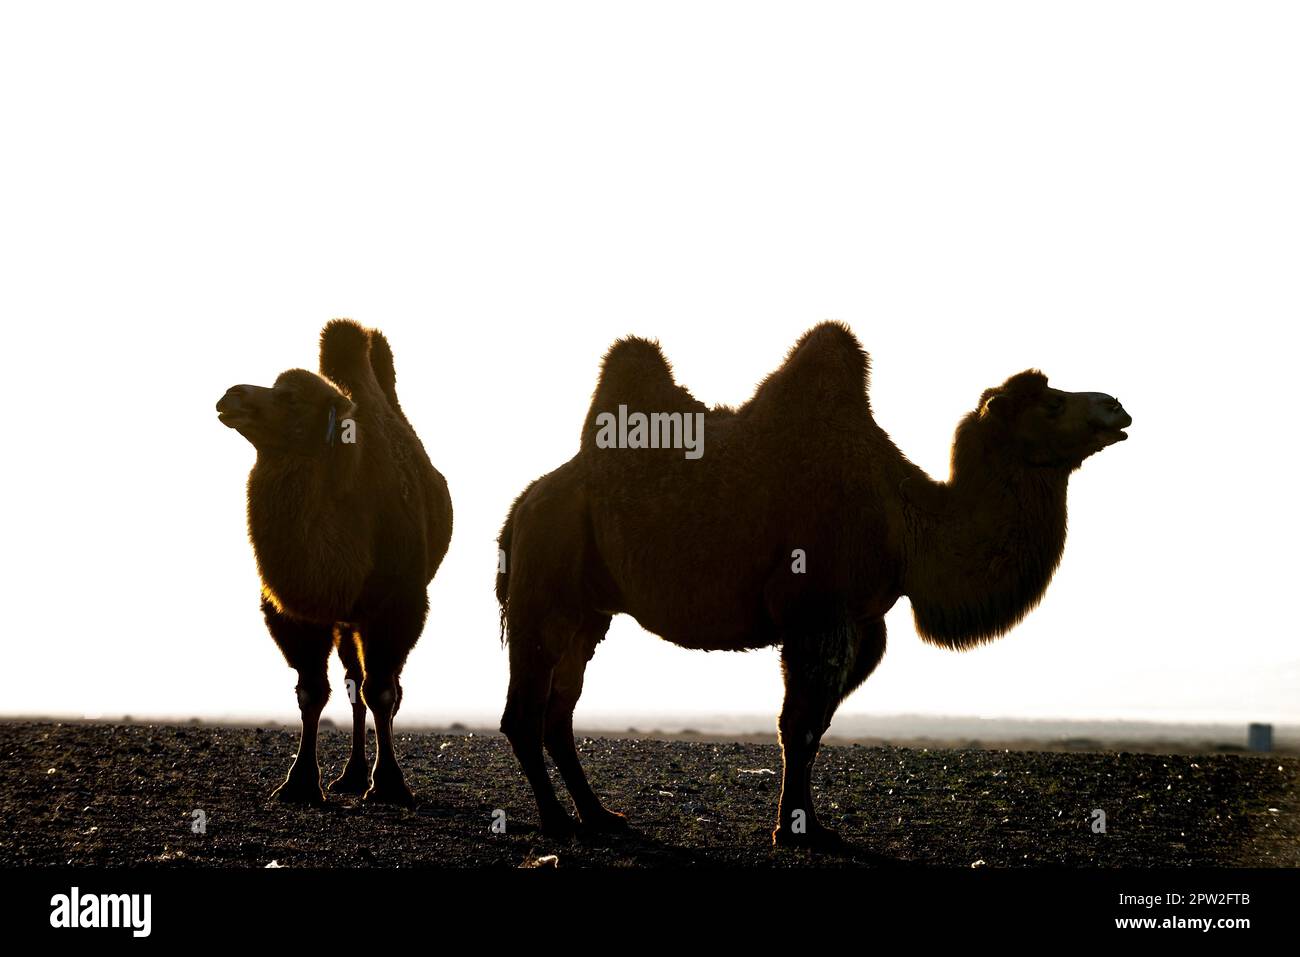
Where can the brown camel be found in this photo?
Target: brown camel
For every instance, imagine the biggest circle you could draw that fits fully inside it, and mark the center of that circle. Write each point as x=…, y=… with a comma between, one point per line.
x=797, y=522
x=349, y=522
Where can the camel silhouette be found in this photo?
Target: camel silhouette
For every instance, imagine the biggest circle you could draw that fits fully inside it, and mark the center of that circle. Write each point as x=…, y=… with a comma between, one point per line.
x=349, y=522
x=799, y=525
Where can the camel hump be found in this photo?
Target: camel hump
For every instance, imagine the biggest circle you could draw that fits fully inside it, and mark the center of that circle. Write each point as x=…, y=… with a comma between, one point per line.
x=635, y=373
x=634, y=364
x=345, y=356
x=381, y=362
x=827, y=366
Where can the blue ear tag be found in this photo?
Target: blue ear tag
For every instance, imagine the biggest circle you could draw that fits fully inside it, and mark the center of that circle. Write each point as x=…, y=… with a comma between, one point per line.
x=329, y=431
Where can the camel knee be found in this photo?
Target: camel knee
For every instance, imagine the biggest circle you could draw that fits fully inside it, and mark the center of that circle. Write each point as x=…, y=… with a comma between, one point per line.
x=557, y=735
x=313, y=691
x=559, y=718
x=804, y=719
x=380, y=694
x=527, y=699
x=524, y=721
x=518, y=726
x=800, y=741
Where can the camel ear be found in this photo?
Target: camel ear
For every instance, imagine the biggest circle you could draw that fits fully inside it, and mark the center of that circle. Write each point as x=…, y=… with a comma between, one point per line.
x=996, y=404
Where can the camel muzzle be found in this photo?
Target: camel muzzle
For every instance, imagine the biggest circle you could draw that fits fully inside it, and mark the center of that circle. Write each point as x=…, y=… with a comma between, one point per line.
x=239, y=404
x=1108, y=417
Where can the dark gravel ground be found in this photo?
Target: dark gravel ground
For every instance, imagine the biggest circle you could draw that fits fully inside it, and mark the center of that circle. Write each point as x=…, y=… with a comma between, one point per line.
x=113, y=795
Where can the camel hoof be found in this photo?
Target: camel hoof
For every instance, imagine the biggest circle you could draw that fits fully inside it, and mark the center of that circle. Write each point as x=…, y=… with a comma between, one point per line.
x=299, y=792
x=351, y=782
x=603, y=821
x=816, y=838
x=396, y=794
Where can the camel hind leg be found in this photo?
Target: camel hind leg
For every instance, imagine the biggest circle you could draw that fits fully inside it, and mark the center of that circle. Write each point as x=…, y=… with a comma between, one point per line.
x=355, y=778
x=821, y=666
x=566, y=688
x=524, y=723
x=545, y=593
x=306, y=647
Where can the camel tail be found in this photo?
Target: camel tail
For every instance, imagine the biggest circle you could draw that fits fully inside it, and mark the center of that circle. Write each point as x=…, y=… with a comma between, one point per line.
x=503, y=576
x=504, y=558
x=503, y=568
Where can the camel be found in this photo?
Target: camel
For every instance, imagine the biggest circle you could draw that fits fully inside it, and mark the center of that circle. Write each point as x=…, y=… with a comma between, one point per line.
x=800, y=525
x=349, y=521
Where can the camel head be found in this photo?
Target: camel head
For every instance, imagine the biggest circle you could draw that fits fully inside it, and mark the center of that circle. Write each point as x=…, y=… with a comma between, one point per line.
x=1041, y=427
x=300, y=415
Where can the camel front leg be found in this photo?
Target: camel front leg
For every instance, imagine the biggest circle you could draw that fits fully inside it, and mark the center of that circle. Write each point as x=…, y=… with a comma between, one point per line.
x=306, y=648
x=821, y=668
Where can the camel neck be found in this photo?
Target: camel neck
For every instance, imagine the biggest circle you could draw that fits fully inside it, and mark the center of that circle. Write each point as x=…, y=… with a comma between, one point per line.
x=982, y=550
x=292, y=483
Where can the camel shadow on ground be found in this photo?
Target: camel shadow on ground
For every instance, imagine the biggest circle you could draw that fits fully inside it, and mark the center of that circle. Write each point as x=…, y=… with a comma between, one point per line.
x=635, y=845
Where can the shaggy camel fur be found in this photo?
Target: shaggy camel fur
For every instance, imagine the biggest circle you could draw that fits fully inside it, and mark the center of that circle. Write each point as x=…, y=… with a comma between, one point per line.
x=349, y=522
x=800, y=526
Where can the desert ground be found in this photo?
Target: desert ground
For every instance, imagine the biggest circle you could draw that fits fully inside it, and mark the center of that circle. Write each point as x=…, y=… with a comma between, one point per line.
x=108, y=794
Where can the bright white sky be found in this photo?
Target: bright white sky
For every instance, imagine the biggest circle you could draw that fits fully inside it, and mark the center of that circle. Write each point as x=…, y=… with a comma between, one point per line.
x=1107, y=191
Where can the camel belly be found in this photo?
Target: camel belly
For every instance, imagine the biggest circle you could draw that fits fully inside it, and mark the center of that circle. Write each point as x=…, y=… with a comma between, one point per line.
x=702, y=618
x=699, y=639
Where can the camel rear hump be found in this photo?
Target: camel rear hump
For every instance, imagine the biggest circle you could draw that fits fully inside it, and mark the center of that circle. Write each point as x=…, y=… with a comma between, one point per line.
x=827, y=372
x=381, y=364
